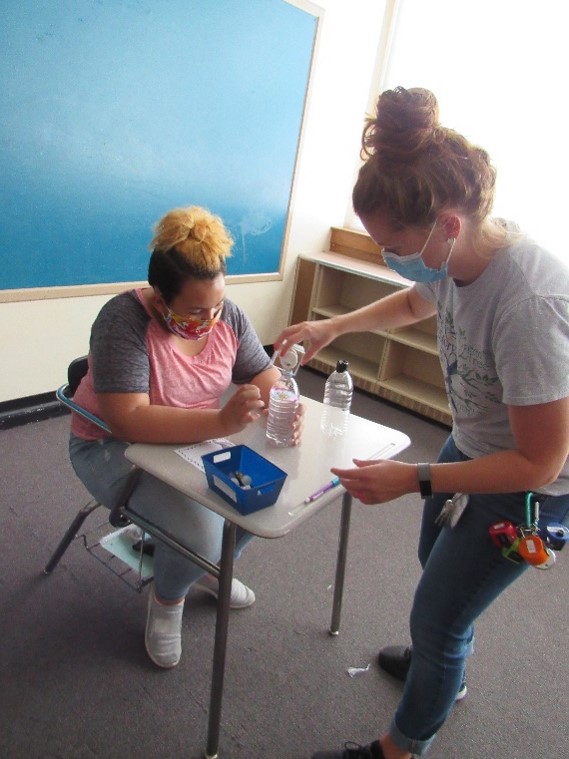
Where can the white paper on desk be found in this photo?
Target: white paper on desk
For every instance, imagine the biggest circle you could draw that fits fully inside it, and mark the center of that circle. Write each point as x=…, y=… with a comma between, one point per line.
x=193, y=453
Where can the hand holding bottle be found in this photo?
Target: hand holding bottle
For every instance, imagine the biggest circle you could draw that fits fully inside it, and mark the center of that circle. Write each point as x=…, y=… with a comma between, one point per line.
x=315, y=335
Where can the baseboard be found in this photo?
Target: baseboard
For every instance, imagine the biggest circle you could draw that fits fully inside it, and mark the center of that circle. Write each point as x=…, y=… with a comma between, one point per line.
x=34, y=408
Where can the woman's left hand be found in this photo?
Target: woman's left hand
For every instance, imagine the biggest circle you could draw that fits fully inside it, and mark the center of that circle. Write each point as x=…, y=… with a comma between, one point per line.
x=378, y=481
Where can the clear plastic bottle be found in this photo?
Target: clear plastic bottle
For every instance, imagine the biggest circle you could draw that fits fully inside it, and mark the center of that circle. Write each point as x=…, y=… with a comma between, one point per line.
x=337, y=401
x=283, y=403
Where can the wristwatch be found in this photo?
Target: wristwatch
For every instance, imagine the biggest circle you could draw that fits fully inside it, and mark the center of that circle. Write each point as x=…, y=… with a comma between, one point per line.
x=425, y=488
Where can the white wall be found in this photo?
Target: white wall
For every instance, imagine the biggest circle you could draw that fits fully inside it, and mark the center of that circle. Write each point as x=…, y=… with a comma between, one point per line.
x=39, y=338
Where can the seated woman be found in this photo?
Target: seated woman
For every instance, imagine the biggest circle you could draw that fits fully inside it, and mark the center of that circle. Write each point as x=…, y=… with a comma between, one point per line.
x=160, y=359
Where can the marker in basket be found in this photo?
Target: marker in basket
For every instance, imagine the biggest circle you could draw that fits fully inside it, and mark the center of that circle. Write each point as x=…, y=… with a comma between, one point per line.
x=328, y=486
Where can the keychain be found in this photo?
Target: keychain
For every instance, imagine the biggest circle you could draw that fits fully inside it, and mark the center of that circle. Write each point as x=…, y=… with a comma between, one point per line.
x=452, y=510
x=527, y=542
x=531, y=547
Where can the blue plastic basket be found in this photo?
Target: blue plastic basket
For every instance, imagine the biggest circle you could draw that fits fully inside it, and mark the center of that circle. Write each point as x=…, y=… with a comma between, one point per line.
x=266, y=478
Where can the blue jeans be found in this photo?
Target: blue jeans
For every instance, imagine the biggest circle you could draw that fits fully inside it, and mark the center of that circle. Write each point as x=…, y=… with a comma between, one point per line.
x=463, y=573
x=103, y=469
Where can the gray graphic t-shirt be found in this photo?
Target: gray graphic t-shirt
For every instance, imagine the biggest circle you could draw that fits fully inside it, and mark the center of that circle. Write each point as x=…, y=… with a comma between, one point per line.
x=503, y=340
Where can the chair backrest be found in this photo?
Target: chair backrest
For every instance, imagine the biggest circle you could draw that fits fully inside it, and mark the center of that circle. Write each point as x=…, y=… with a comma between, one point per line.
x=76, y=370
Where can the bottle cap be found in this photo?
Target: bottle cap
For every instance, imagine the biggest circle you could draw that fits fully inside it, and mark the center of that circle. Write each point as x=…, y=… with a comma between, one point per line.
x=291, y=360
x=342, y=365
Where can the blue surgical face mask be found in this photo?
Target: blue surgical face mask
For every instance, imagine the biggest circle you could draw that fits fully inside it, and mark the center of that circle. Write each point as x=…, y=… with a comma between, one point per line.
x=413, y=267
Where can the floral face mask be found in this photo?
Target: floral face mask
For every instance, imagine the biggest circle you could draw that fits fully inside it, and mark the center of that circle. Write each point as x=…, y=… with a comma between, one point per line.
x=190, y=327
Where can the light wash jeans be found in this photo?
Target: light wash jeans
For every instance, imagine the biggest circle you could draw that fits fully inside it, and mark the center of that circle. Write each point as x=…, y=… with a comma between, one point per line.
x=463, y=573
x=103, y=469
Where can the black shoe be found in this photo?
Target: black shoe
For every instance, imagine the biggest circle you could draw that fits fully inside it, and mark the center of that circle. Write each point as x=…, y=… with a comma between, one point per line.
x=146, y=546
x=353, y=751
x=396, y=660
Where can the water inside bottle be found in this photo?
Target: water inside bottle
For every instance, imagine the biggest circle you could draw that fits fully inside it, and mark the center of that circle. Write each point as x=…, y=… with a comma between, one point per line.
x=282, y=410
x=334, y=420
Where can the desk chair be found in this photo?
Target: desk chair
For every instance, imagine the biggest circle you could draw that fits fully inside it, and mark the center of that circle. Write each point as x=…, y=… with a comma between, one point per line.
x=120, y=515
x=117, y=519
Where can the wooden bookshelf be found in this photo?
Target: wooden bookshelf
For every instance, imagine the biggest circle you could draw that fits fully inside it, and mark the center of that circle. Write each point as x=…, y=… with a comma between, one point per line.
x=400, y=365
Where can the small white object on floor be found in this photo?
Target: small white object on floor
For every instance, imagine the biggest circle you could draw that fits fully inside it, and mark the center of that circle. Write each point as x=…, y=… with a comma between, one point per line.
x=354, y=671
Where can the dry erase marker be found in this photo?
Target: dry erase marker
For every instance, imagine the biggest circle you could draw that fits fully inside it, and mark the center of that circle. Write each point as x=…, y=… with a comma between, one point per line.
x=328, y=486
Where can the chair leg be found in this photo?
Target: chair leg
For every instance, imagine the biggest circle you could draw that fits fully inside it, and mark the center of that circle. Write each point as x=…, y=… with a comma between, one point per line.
x=70, y=535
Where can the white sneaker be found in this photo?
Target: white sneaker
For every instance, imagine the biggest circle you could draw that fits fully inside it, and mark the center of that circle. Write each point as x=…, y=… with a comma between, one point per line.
x=462, y=692
x=163, y=637
x=241, y=596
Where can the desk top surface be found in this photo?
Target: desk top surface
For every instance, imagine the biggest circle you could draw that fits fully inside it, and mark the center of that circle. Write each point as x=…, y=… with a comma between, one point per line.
x=307, y=466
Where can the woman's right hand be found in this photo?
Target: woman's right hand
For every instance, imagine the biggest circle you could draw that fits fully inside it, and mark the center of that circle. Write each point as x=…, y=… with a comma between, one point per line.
x=244, y=407
x=314, y=335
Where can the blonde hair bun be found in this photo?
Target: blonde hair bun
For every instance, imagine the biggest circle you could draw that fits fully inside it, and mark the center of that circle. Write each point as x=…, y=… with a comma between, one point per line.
x=195, y=233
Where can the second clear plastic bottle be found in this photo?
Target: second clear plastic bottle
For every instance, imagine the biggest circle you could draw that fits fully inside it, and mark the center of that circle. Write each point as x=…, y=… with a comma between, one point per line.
x=337, y=401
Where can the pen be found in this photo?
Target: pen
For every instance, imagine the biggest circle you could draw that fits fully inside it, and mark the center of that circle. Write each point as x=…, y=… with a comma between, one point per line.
x=328, y=486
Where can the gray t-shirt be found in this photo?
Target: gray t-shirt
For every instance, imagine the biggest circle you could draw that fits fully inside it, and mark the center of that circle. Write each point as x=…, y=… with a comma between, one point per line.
x=127, y=348
x=130, y=352
x=503, y=341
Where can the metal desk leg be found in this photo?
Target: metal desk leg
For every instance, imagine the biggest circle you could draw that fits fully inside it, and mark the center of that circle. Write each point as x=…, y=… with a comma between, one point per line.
x=341, y=563
x=221, y=626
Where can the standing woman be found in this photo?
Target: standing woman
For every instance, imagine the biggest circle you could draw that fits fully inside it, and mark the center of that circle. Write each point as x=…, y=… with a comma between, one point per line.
x=502, y=305
x=160, y=359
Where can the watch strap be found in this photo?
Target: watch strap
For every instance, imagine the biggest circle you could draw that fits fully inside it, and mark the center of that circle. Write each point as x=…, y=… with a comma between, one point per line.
x=425, y=487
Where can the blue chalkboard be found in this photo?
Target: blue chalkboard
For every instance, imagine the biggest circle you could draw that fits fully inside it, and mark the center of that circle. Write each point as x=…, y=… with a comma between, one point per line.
x=114, y=112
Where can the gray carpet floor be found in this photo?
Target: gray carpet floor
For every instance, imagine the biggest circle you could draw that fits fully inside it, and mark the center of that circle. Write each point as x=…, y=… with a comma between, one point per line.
x=75, y=682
